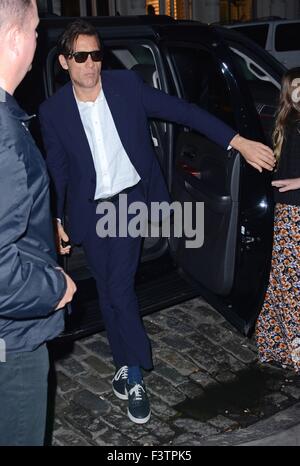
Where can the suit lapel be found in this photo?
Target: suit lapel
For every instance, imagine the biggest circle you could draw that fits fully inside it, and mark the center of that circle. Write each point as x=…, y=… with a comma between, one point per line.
x=118, y=107
x=76, y=130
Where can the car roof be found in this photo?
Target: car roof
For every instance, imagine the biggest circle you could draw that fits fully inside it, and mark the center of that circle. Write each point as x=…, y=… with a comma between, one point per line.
x=156, y=27
x=107, y=20
x=261, y=22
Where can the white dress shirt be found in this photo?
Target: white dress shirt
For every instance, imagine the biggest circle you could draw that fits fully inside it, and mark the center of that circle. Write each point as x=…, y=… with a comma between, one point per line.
x=114, y=171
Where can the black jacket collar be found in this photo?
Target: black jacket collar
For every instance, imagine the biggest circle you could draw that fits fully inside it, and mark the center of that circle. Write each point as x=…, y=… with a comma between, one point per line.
x=15, y=110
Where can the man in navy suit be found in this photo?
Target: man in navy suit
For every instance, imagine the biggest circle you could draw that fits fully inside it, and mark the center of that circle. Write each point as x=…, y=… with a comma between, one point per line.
x=96, y=135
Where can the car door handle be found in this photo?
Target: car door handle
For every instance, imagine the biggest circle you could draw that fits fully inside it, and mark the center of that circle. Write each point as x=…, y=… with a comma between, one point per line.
x=188, y=169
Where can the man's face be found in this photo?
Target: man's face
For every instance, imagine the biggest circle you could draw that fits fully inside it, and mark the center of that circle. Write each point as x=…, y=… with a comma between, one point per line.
x=84, y=75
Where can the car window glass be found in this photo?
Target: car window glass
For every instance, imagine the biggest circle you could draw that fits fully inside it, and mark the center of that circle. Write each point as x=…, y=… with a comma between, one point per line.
x=139, y=58
x=287, y=37
x=263, y=88
x=202, y=81
x=135, y=57
x=258, y=33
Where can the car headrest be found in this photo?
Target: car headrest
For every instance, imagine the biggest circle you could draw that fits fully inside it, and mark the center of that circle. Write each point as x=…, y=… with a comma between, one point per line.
x=148, y=73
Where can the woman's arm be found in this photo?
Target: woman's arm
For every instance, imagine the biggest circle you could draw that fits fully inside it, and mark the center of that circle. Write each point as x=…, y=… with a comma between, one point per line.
x=287, y=185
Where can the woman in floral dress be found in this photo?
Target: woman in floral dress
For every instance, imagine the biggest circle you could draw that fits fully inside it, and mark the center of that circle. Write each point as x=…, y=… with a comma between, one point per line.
x=278, y=325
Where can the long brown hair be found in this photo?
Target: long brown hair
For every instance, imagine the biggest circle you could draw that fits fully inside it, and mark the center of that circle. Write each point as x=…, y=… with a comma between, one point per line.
x=289, y=107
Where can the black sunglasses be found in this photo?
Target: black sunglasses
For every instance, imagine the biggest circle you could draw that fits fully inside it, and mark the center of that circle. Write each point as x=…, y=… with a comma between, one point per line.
x=81, y=57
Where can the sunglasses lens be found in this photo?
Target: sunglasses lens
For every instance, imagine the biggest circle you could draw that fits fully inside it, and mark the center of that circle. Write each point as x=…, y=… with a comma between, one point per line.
x=97, y=55
x=81, y=57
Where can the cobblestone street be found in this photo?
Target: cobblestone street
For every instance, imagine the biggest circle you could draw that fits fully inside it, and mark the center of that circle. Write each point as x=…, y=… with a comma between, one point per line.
x=206, y=387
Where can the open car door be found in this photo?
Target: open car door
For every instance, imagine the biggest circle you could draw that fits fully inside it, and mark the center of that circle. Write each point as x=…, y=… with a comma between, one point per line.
x=231, y=267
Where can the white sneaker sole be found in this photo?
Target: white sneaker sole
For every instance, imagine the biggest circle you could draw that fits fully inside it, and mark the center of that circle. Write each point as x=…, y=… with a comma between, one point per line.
x=138, y=420
x=120, y=395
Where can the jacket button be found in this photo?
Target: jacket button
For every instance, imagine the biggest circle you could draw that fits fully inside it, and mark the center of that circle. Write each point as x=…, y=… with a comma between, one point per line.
x=90, y=200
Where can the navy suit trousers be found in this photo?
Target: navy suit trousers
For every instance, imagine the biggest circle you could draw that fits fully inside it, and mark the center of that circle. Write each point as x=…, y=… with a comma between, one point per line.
x=113, y=262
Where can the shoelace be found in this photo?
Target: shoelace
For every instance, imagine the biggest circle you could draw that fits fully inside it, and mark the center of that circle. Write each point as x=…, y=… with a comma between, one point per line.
x=137, y=390
x=122, y=373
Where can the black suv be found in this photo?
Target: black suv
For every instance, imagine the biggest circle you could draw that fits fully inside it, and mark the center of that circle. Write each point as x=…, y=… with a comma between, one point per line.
x=237, y=81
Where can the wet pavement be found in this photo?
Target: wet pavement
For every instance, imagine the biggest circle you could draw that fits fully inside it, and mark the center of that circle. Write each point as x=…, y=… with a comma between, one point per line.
x=206, y=388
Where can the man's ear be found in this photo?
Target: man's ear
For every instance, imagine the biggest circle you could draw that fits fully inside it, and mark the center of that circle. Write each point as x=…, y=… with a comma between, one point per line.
x=63, y=62
x=14, y=38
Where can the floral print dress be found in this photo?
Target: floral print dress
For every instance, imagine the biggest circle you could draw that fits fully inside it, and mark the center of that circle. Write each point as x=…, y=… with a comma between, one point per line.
x=278, y=326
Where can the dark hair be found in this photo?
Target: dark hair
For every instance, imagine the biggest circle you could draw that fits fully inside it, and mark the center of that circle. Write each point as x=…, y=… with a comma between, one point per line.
x=289, y=107
x=71, y=34
x=14, y=11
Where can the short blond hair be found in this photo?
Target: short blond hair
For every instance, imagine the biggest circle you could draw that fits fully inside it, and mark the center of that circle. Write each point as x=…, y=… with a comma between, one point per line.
x=14, y=12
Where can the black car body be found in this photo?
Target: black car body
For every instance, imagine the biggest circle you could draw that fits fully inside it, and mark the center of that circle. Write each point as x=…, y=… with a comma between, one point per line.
x=235, y=80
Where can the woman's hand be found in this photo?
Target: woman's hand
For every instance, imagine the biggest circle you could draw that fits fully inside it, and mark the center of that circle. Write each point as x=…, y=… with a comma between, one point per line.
x=287, y=185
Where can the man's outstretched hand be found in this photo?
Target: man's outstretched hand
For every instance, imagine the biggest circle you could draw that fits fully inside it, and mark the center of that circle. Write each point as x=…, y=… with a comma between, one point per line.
x=255, y=153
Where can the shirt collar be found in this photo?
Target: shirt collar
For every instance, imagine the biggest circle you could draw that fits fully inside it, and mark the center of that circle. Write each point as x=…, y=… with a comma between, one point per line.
x=89, y=103
x=15, y=110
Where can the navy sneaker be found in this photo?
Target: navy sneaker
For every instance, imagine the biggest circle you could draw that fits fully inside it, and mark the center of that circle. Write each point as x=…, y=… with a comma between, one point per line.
x=119, y=383
x=138, y=404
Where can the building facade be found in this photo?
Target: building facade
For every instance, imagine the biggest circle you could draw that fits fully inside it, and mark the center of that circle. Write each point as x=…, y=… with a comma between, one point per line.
x=204, y=10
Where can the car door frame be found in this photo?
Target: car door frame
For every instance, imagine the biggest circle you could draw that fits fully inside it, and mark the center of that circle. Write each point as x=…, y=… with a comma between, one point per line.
x=252, y=212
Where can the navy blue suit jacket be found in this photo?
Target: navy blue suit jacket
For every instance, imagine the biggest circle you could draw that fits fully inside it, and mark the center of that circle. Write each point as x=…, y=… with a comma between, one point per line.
x=131, y=103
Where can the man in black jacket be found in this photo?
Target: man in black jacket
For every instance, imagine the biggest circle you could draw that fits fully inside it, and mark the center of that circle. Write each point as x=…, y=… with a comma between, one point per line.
x=33, y=289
